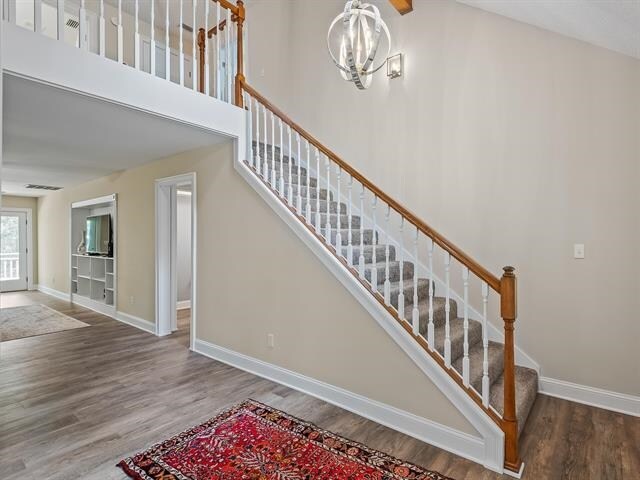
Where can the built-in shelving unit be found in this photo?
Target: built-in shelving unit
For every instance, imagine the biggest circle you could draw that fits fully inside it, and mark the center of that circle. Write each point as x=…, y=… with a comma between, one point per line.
x=93, y=277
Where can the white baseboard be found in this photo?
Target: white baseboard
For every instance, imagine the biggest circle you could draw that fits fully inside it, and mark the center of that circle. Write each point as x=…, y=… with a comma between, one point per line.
x=441, y=436
x=137, y=322
x=184, y=304
x=100, y=307
x=54, y=293
x=596, y=397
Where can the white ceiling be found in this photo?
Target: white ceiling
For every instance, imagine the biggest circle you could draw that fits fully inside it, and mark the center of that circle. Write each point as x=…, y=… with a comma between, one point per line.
x=612, y=24
x=59, y=138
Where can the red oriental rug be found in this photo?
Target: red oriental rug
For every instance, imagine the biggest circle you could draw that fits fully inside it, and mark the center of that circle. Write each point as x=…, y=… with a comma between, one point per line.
x=255, y=442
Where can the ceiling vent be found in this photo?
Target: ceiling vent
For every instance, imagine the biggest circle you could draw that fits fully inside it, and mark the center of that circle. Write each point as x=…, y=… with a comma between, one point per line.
x=73, y=23
x=41, y=187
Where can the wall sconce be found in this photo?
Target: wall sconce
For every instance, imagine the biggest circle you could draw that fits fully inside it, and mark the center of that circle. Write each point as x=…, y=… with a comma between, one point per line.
x=395, y=65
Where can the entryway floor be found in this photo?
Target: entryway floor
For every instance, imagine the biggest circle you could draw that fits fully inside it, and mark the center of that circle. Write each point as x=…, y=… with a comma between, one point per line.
x=73, y=403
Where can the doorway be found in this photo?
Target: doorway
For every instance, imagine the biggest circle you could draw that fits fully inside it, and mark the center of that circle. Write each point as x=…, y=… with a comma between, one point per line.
x=15, y=249
x=176, y=256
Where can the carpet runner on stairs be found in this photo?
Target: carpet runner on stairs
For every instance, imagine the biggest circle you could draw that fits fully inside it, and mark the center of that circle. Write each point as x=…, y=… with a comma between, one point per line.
x=526, y=378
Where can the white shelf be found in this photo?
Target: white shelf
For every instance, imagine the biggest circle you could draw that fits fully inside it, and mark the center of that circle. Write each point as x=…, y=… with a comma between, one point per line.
x=101, y=280
x=86, y=277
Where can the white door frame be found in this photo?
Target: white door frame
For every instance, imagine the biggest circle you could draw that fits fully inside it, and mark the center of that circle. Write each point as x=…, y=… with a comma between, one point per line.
x=29, y=234
x=166, y=273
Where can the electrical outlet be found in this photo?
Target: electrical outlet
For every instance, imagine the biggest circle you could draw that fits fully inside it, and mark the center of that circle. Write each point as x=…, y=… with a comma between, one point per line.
x=578, y=251
x=132, y=300
x=271, y=341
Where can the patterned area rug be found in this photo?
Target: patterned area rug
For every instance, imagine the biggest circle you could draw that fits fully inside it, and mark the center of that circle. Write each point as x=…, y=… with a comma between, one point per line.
x=31, y=320
x=256, y=442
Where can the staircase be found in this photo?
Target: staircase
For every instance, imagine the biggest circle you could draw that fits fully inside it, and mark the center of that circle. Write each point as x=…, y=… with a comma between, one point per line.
x=381, y=262
x=439, y=295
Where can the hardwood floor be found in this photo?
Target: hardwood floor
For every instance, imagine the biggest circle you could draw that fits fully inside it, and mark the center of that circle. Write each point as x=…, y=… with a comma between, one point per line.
x=73, y=403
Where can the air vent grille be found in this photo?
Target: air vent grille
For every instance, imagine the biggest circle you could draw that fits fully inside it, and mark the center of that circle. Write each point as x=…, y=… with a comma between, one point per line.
x=73, y=23
x=42, y=187
x=187, y=28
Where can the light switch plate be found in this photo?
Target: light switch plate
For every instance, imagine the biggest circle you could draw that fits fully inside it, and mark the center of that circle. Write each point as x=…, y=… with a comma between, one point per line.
x=578, y=251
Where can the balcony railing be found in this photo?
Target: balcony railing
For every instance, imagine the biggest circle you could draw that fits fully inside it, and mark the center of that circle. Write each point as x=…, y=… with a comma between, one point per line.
x=9, y=266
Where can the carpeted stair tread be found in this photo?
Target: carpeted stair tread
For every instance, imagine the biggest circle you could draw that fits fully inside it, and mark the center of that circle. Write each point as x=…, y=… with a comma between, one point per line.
x=355, y=236
x=313, y=191
x=423, y=292
x=344, y=221
x=285, y=168
x=368, y=253
x=324, y=206
x=394, y=269
x=456, y=335
x=526, y=392
x=495, y=354
x=439, y=312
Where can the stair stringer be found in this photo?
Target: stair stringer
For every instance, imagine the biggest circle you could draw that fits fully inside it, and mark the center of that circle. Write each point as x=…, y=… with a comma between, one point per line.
x=491, y=453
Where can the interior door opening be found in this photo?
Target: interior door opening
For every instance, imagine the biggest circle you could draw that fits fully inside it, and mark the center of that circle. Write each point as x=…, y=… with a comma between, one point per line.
x=14, y=250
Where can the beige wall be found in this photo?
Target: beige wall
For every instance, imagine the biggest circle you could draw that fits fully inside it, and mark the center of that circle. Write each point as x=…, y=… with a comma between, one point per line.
x=254, y=277
x=515, y=143
x=9, y=201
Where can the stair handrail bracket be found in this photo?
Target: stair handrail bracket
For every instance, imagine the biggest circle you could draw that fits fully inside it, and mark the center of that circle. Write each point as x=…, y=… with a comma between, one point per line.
x=283, y=155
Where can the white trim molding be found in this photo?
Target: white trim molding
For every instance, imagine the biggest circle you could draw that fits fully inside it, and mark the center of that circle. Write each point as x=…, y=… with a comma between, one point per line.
x=131, y=320
x=183, y=304
x=100, y=307
x=54, y=293
x=29, y=214
x=595, y=397
x=441, y=436
x=137, y=322
x=492, y=436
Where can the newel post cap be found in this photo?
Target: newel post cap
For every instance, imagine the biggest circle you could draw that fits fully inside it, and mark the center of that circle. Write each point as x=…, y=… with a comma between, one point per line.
x=509, y=271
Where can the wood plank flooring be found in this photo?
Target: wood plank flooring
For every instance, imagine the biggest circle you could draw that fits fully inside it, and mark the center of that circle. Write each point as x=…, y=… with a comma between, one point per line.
x=73, y=403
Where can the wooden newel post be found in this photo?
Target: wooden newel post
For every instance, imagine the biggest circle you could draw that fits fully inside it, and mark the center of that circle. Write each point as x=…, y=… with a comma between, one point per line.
x=202, y=44
x=240, y=75
x=509, y=312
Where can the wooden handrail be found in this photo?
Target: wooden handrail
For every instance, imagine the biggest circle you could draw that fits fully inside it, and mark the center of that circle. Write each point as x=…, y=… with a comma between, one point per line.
x=228, y=5
x=462, y=257
x=220, y=27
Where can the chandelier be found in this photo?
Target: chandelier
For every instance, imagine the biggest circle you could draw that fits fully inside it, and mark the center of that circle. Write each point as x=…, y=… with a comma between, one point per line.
x=362, y=28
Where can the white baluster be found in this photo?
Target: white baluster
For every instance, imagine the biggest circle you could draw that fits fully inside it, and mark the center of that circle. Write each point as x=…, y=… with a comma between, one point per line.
x=273, y=152
x=387, y=282
x=181, y=59
x=228, y=63
x=339, y=220
x=485, y=346
x=152, y=57
x=265, y=167
x=299, y=194
x=102, y=40
x=167, y=46
x=374, y=261
x=218, y=59
x=83, y=28
x=361, y=257
x=327, y=222
x=447, y=310
x=258, y=159
x=401, y=283
x=194, y=62
x=120, y=34
x=307, y=210
x=207, y=53
x=282, y=160
x=37, y=16
x=350, y=220
x=317, y=222
x=250, y=152
x=136, y=36
x=415, y=312
x=430, y=327
x=61, y=20
x=290, y=191
x=465, y=358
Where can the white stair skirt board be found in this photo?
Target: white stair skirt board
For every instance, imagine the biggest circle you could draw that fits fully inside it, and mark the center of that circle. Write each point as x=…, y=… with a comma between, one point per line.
x=596, y=397
x=492, y=436
x=441, y=436
x=137, y=322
